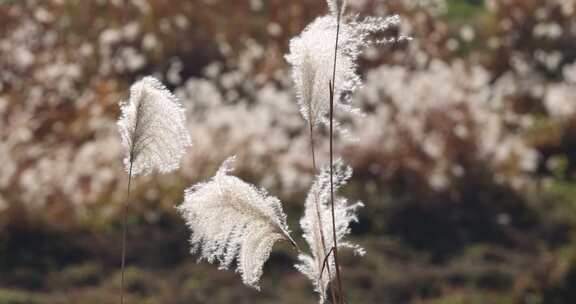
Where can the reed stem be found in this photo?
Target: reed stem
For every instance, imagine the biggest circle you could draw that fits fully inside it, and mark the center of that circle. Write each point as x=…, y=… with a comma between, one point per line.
x=332, y=91
x=124, y=232
x=318, y=214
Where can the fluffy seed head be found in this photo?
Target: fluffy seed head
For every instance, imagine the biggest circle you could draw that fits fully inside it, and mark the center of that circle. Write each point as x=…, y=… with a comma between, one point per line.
x=318, y=201
x=232, y=220
x=153, y=128
x=312, y=59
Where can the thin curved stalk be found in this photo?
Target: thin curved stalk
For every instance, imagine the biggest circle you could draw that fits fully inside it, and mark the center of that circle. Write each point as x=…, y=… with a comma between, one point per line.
x=124, y=233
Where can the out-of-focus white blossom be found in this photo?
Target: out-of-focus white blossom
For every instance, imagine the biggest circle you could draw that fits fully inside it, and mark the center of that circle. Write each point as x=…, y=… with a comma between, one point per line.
x=432, y=116
x=560, y=100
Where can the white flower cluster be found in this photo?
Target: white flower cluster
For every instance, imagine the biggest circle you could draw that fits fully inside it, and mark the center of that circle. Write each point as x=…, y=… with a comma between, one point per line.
x=560, y=99
x=437, y=119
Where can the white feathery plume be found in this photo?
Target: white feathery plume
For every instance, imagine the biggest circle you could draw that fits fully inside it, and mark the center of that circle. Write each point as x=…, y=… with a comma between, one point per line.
x=153, y=128
x=312, y=59
x=312, y=225
x=153, y=131
x=233, y=220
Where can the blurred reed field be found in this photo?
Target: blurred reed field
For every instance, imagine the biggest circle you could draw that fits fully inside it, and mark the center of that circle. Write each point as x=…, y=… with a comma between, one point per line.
x=465, y=158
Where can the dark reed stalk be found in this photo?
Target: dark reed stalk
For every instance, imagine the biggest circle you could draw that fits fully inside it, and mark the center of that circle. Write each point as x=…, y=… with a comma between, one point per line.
x=313, y=152
x=125, y=230
x=332, y=85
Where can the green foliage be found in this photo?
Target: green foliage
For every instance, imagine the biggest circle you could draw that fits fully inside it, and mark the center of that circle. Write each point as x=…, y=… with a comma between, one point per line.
x=464, y=10
x=474, y=298
x=86, y=274
x=8, y=296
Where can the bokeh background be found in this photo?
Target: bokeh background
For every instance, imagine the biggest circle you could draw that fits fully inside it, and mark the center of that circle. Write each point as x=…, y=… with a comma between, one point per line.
x=465, y=159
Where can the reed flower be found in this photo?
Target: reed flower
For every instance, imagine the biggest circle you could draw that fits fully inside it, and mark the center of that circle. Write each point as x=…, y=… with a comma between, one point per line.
x=153, y=128
x=312, y=265
x=312, y=59
x=232, y=220
x=153, y=131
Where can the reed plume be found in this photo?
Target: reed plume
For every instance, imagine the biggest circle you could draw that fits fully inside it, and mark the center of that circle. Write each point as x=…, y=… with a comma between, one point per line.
x=324, y=70
x=231, y=220
x=312, y=265
x=153, y=131
x=311, y=56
